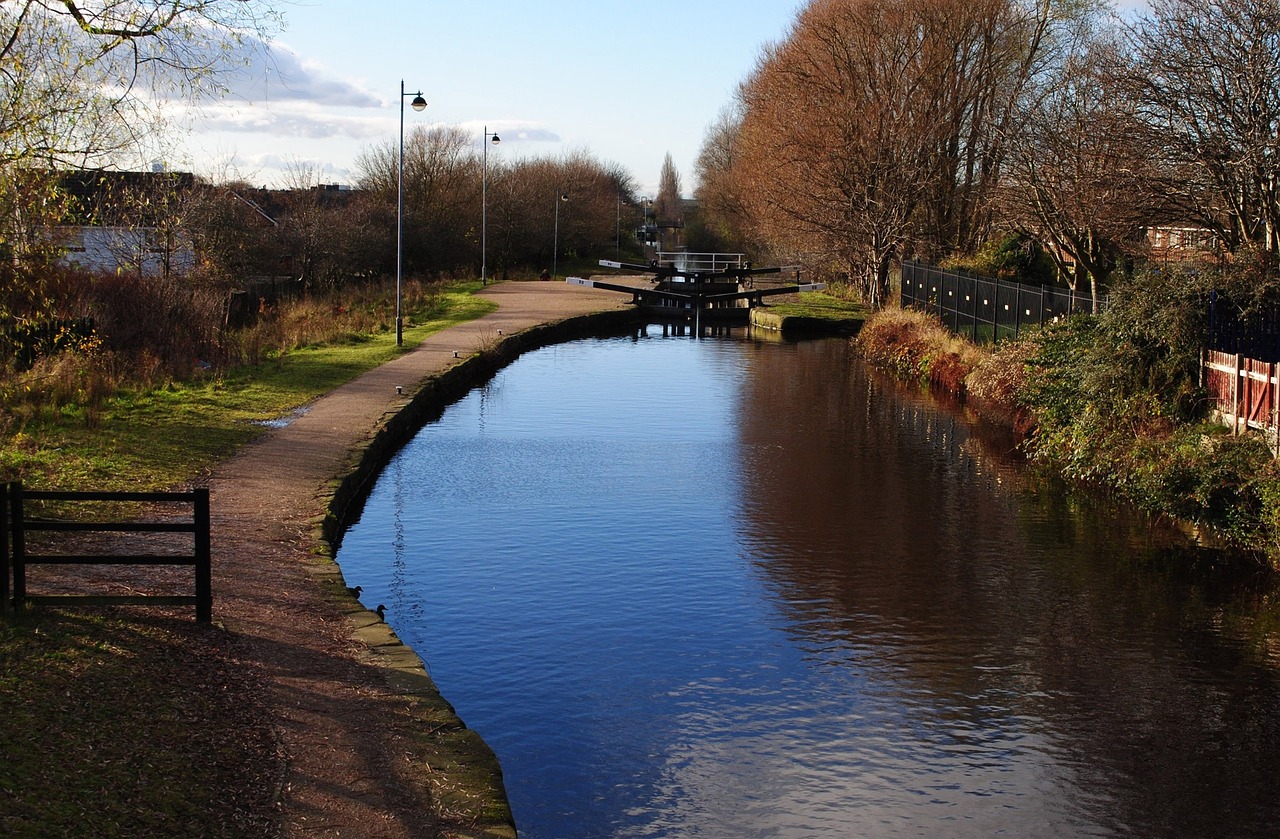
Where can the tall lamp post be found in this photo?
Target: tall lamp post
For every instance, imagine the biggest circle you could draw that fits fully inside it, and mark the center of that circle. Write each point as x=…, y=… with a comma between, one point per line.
x=555, y=245
x=418, y=104
x=484, y=204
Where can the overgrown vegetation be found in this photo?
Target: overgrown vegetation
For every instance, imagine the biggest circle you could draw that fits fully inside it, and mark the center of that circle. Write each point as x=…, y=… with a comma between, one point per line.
x=117, y=415
x=1112, y=401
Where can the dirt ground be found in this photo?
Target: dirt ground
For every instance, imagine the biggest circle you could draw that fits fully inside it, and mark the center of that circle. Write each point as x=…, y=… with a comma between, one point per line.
x=370, y=748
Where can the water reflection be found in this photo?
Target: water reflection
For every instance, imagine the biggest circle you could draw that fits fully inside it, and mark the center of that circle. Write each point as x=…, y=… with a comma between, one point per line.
x=731, y=588
x=1007, y=615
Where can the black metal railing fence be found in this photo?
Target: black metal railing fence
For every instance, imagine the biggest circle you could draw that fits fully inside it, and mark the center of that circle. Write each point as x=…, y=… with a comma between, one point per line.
x=986, y=309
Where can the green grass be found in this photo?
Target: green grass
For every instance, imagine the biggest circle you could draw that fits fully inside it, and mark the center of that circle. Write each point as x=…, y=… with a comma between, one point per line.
x=816, y=304
x=168, y=435
x=137, y=723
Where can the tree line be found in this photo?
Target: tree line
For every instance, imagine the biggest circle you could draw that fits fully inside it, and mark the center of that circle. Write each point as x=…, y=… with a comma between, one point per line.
x=535, y=208
x=875, y=131
x=82, y=88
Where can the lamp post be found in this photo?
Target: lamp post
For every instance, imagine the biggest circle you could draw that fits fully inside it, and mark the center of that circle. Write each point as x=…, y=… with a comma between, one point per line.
x=617, y=229
x=555, y=245
x=418, y=104
x=484, y=204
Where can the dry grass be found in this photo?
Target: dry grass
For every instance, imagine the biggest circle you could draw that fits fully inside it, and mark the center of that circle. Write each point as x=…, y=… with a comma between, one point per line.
x=998, y=381
x=916, y=345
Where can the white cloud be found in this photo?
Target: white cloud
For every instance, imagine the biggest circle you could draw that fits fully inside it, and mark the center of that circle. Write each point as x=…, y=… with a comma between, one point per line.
x=277, y=74
x=512, y=130
x=275, y=92
x=291, y=119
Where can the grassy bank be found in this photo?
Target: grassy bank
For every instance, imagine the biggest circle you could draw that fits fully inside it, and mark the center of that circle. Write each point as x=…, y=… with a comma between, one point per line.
x=1109, y=402
x=147, y=435
x=139, y=722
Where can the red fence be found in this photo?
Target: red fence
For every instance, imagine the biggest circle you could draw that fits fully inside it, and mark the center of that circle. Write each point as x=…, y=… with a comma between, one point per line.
x=1246, y=392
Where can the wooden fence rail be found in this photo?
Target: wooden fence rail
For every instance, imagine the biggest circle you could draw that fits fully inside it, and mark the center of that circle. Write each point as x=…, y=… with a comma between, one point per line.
x=16, y=523
x=1245, y=391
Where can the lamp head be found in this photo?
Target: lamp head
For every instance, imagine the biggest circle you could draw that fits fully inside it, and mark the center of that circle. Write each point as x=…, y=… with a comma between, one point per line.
x=418, y=103
x=564, y=197
x=496, y=139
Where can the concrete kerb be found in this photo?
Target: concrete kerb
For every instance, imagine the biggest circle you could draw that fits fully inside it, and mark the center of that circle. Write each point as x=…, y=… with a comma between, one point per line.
x=475, y=776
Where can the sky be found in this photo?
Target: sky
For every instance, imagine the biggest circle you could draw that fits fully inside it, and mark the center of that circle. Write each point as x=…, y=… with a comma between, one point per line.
x=626, y=82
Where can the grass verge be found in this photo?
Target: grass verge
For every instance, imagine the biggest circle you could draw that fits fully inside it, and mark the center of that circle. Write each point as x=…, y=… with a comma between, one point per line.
x=819, y=306
x=130, y=725
x=141, y=723
x=166, y=435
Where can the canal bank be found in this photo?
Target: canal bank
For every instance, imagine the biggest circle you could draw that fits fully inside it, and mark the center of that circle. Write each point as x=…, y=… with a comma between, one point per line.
x=372, y=748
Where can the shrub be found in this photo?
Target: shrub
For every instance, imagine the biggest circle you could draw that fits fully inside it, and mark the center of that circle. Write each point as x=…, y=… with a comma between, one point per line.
x=998, y=381
x=918, y=346
x=1013, y=256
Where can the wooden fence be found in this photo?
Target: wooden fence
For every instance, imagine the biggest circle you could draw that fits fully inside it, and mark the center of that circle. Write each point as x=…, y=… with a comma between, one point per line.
x=15, y=558
x=1245, y=391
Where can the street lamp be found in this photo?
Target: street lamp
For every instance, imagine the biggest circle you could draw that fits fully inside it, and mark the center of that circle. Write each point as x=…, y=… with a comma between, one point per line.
x=555, y=245
x=418, y=104
x=484, y=204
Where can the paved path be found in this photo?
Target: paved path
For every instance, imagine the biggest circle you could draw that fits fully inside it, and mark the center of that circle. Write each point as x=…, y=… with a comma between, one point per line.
x=373, y=750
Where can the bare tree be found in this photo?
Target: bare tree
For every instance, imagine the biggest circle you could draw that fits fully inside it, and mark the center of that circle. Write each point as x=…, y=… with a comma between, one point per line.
x=723, y=213
x=441, y=192
x=1077, y=170
x=837, y=135
x=878, y=129
x=1207, y=76
x=82, y=82
x=667, y=206
x=529, y=216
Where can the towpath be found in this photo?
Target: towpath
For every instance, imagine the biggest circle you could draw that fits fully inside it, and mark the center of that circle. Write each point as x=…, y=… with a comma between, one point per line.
x=372, y=750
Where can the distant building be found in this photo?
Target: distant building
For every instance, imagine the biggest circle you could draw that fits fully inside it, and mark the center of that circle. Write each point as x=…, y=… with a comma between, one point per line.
x=1180, y=243
x=127, y=222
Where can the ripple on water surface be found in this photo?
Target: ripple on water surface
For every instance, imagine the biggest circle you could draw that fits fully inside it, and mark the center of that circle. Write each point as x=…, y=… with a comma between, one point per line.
x=718, y=588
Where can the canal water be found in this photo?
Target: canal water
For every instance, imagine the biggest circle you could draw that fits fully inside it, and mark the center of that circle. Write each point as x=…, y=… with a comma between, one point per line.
x=734, y=588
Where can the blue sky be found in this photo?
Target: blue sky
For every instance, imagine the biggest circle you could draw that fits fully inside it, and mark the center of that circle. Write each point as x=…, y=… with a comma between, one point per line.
x=626, y=82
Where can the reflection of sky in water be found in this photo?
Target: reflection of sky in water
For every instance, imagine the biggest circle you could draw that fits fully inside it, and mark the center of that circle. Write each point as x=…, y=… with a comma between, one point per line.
x=686, y=589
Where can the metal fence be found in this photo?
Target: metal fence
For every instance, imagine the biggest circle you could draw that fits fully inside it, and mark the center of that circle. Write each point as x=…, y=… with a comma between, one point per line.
x=1256, y=335
x=709, y=262
x=985, y=309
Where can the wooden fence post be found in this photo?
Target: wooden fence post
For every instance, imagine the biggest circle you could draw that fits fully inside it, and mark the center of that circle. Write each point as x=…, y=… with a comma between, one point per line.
x=5, y=606
x=1273, y=382
x=17, y=543
x=1235, y=398
x=203, y=556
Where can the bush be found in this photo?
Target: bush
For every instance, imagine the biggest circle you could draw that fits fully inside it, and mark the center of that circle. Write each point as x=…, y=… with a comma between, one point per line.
x=1011, y=257
x=918, y=346
x=1117, y=404
x=1112, y=400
